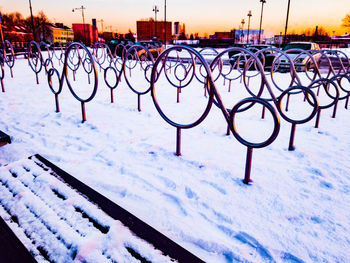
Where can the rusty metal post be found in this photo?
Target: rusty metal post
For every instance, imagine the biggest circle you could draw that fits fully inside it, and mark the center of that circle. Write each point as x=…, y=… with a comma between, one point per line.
x=178, y=95
x=287, y=103
x=139, y=102
x=318, y=115
x=263, y=113
x=112, y=99
x=178, y=141
x=335, y=109
x=83, y=111
x=248, y=166
x=57, y=103
x=291, y=140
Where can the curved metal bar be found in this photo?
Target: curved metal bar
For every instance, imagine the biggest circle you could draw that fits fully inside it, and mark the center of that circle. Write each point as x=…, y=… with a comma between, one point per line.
x=35, y=58
x=9, y=55
x=46, y=48
x=50, y=74
x=326, y=84
x=102, y=57
x=117, y=77
x=339, y=80
x=338, y=59
x=73, y=47
x=137, y=55
x=58, y=46
x=233, y=64
x=74, y=51
x=229, y=115
x=251, y=102
x=312, y=101
x=156, y=73
x=250, y=145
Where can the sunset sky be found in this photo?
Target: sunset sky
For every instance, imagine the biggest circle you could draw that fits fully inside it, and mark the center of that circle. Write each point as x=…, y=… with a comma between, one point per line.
x=202, y=16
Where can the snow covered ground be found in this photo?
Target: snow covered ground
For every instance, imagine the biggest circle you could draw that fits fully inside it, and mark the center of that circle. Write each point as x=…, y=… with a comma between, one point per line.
x=296, y=210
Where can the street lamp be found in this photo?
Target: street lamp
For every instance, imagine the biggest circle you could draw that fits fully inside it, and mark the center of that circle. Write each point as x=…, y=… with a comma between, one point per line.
x=82, y=13
x=249, y=16
x=285, y=30
x=155, y=10
x=32, y=19
x=262, y=10
x=242, y=35
x=165, y=23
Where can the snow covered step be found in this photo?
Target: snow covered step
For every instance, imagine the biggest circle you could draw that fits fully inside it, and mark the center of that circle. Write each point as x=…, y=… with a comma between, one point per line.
x=60, y=219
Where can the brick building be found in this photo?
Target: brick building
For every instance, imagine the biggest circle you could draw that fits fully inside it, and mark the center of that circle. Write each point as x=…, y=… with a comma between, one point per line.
x=147, y=30
x=85, y=33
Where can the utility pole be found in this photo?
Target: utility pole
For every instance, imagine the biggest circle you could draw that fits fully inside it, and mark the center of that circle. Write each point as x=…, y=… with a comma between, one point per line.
x=285, y=30
x=82, y=13
x=242, y=36
x=261, y=16
x=155, y=10
x=165, y=23
x=249, y=16
x=32, y=19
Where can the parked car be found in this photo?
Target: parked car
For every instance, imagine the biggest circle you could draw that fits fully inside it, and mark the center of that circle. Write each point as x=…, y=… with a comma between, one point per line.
x=120, y=43
x=265, y=57
x=234, y=52
x=154, y=47
x=301, y=60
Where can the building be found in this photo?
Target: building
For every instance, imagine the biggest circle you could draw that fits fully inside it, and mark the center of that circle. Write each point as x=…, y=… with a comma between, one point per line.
x=17, y=33
x=52, y=33
x=179, y=31
x=152, y=30
x=108, y=36
x=84, y=33
x=222, y=35
x=239, y=35
x=19, y=36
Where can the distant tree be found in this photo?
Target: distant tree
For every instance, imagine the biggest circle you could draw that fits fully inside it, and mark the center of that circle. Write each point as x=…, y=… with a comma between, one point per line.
x=13, y=19
x=40, y=24
x=191, y=37
x=322, y=31
x=346, y=21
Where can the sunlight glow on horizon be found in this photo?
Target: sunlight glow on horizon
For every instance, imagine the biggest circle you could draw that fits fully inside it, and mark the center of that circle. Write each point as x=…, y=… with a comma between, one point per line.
x=199, y=16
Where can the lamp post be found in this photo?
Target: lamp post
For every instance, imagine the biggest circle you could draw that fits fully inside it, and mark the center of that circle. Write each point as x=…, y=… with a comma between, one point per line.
x=165, y=23
x=82, y=13
x=242, y=35
x=249, y=16
x=285, y=30
x=155, y=10
x=262, y=10
x=32, y=19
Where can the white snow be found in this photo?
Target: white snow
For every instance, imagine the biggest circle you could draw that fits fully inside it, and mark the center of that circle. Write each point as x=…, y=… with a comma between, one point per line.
x=296, y=210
